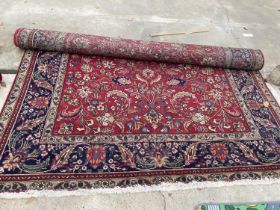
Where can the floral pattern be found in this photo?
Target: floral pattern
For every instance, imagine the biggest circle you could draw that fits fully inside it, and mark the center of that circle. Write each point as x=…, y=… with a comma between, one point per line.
x=219, y=151
x=40, y=102
x=76, y=121
x=134, y=97
x=233, y=58
x=95, y=155
x=130, y=117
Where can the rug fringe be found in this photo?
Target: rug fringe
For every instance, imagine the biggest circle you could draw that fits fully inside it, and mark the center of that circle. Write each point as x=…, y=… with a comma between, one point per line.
x=166, y=187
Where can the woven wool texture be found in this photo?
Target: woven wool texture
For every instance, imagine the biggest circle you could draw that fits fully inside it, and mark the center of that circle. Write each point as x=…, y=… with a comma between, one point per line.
x=89, y=111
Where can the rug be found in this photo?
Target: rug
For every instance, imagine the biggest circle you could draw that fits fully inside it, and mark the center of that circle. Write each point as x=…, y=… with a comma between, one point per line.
x=90, y=112
x=264, y=206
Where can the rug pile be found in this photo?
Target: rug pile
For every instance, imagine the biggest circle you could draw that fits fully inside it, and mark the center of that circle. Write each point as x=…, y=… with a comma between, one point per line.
x=89, y=111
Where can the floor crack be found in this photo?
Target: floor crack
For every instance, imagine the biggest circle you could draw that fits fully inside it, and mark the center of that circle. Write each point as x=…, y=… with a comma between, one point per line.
x=228, y=22
x=164, y=200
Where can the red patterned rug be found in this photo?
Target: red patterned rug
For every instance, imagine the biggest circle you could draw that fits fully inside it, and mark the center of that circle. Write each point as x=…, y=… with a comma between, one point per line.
x=116, y=112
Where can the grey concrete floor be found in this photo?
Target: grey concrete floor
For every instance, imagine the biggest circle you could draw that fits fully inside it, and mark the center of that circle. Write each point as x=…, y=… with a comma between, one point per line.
x=236, y=23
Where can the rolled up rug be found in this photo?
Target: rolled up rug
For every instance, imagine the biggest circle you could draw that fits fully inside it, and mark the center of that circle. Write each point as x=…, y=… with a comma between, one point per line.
x=211, y=56
x=90, y=112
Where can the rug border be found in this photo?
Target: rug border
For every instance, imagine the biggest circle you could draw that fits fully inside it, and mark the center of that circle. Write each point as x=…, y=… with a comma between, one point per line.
x=21, y=75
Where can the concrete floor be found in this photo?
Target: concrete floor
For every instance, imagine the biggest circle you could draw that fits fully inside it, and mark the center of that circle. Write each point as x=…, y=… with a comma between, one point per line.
x=236, y=23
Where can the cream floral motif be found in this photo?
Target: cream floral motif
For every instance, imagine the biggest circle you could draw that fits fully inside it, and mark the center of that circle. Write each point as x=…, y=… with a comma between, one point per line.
x=81, y=43
x=200, y=118
x=84, y=92
x=106, y=119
